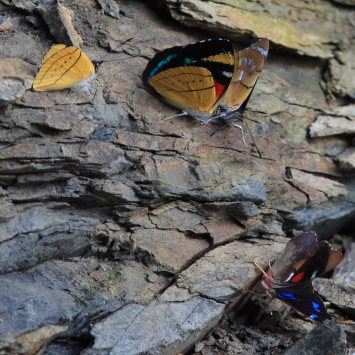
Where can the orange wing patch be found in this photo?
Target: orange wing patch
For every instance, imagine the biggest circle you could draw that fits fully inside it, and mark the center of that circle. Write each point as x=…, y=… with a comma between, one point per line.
x=188, y=87
x=225, y=58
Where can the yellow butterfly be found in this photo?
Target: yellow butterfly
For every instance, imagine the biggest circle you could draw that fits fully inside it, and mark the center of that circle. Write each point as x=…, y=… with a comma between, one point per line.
x=63, y=67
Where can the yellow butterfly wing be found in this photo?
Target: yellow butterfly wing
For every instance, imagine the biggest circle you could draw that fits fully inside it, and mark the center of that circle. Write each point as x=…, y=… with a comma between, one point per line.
x=63, y=67
x=249, y=63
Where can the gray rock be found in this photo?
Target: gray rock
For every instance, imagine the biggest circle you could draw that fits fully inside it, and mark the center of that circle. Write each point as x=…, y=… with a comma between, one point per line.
x=159, y=328
x=338, y=121
x=26, y=304
x=328, y=338
x=270, y=227
x=345, y=2
x=325, y=221
x=8, y=346
x=16, y=76
x=339, y=293
x=114, y=191
x=110, y=7
x=214, y=15
x=57, y=120
x=225, y=281
x=238, y=209
x=221, y=185
x=73, y=293
x=63, y=349
x=111, y=115
x=7, y=208
x=105, y=205
x=345, y=271
x=25, y=4
x=250, y=190
x=318, y=188
x=341, y=71
x=346, y=160
x=39, y=234
x=104, y=134
x=59, y=21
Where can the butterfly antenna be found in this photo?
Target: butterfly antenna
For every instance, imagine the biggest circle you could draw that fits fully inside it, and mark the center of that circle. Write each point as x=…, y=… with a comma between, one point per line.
x=252, y=138
x=119, y=45
x=114, y=60
x=260, y=268
x=270, y=268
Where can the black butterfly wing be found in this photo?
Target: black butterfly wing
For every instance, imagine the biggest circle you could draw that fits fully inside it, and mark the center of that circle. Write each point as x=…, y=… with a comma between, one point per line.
x=191, y=54
x=302, y=298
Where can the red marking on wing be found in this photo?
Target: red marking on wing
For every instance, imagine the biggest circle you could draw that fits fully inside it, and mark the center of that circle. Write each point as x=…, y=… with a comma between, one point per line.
x=219, y=88
x=297, y=277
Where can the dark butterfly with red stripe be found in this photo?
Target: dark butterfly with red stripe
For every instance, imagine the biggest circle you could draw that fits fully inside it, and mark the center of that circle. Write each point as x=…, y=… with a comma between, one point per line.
x=198, y=77
x=290, y=277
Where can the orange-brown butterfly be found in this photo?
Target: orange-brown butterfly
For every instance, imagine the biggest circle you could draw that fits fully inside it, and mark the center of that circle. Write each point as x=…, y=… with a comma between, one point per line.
x=200, y=76
x=64, y=67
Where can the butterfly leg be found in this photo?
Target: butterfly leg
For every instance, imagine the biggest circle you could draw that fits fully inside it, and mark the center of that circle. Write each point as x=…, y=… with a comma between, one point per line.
x=203, y=121
x=183, y=113
x=213, y=117
x=241, y=129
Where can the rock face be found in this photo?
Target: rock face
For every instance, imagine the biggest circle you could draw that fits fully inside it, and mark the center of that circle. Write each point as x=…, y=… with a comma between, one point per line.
x=125, y=233
x=16, y=77
x=339, y=121
x=327, y=338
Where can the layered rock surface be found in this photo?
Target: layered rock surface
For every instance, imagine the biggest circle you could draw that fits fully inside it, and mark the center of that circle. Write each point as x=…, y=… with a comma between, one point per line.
x=129, y=233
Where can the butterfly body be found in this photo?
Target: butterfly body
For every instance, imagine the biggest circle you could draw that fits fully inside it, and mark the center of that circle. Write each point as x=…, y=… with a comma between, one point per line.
x=200, y=76
x=63, y=67
x=290, y=279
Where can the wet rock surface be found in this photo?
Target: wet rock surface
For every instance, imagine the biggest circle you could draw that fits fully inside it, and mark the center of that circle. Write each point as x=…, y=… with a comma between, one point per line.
x=125, y=233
